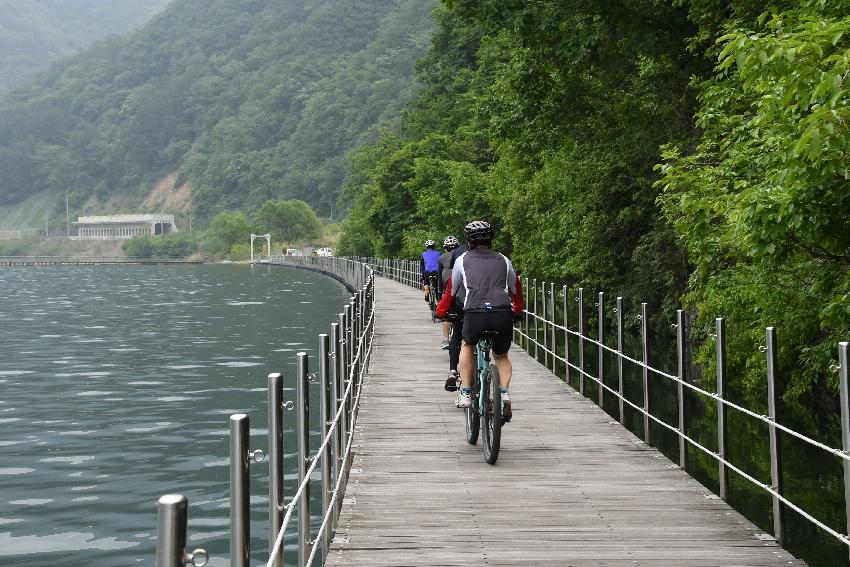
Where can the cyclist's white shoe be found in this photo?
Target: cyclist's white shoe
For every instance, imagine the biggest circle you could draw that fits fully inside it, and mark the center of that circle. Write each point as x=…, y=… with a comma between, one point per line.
x=506, y=406
x=444, y=345
x=464, y=401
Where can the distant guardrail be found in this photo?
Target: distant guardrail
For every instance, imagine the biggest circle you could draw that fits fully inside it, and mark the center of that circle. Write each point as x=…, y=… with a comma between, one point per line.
x=88, y=260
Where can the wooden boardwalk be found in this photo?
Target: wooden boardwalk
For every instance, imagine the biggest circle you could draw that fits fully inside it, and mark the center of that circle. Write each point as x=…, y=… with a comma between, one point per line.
x=571, y=487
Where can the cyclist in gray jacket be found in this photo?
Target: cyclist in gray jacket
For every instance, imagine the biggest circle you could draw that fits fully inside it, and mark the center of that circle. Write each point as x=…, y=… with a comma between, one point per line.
x=485, y=284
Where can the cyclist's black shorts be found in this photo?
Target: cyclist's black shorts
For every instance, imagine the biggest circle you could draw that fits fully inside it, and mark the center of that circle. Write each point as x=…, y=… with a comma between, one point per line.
x=476, y=322
x=427, y=275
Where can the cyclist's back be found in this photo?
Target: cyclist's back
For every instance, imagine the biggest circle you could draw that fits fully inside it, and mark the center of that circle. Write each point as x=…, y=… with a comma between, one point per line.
x=488, y=277
x=428, y=265
x=485, y=284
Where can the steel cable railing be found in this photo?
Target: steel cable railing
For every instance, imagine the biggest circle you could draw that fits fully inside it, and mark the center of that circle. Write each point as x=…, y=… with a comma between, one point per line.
x=538, y=336
x=356, y=329
x=341, y=375
x=314, y=460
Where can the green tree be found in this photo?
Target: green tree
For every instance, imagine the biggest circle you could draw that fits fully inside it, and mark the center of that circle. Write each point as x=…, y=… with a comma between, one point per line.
x=288, y=221
x=225, y=230
x=761, y=202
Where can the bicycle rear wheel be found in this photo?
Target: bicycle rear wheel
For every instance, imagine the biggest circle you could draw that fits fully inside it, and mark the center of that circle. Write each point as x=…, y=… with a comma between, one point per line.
x=492, y=415
x=473, y=420
x=432, y=300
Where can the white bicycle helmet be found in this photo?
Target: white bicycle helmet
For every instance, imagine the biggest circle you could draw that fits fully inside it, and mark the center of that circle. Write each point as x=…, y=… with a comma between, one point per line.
x=430, y=243
x=450, y=243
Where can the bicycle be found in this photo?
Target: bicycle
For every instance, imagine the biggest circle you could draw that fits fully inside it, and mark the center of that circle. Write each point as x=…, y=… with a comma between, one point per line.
x=486, y=401
x=432, y=297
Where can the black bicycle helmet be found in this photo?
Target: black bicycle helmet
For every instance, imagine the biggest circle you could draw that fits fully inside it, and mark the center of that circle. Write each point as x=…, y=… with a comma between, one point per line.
x=450, y=243
x=430, y=243
x=478, y=231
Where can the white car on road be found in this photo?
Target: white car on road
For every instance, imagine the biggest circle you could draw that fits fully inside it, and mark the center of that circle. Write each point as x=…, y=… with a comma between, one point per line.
x=325, y=252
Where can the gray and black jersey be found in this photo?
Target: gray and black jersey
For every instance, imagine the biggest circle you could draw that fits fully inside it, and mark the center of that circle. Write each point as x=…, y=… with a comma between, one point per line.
x=484, y=280
x=445, y=264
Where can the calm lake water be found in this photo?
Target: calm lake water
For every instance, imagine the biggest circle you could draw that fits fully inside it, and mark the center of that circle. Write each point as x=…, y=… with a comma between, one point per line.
x=116, y=384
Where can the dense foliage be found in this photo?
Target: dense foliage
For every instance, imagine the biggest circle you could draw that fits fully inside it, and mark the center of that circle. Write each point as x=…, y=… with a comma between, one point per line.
x=762, y=203
x=290, y=222
x=249, y=99
x=180, y=245
x=35, y=33
x=546, y=118
x=694, y=151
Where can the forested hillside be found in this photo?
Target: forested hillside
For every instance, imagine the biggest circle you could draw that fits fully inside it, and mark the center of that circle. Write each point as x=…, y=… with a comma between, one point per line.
x=692, y=151
x=249, y=99
x=35, y=33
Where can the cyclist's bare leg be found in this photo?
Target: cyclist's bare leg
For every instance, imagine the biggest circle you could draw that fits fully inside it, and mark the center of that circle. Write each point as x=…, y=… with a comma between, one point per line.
x=506, y=369
x=447, y=327
x=466, y=364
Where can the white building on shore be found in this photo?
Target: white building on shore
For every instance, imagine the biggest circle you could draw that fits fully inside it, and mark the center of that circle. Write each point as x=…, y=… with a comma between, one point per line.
x=118, y=227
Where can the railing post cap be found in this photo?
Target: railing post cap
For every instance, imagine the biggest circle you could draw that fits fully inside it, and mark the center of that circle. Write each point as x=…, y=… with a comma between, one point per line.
x=238, y=416
x=171, y=499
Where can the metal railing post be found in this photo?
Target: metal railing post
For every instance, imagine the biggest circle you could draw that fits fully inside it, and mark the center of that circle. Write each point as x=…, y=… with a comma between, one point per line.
x=171, y=530
x=334, y=406
x=566, y=335
x=580, y=300
x=352, y=353
x=552, y=326
x=275, y=461
x=543, y=303
x=341, y=398
x=601, y=354
x=536, y=320
x=844, y=379
x=527, y=319
x=644, y=340
x=722, y=435
x=325, y=413
x=775, y=452
x=346, y=377
x=303, y=433
x=680, y=390
x=620, y=359
x=240, y=492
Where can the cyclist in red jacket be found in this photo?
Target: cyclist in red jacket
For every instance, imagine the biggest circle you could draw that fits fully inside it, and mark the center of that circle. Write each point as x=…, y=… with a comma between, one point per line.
x=485, y=285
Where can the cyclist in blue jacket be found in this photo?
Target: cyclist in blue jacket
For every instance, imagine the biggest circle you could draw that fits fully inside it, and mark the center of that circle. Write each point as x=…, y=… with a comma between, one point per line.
x=429, y=265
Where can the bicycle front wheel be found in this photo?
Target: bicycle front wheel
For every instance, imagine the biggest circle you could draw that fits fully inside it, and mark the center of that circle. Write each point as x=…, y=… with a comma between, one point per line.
x=492, y=415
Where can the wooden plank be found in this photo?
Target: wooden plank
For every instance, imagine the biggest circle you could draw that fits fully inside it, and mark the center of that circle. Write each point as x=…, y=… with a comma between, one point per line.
x=571, y=487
